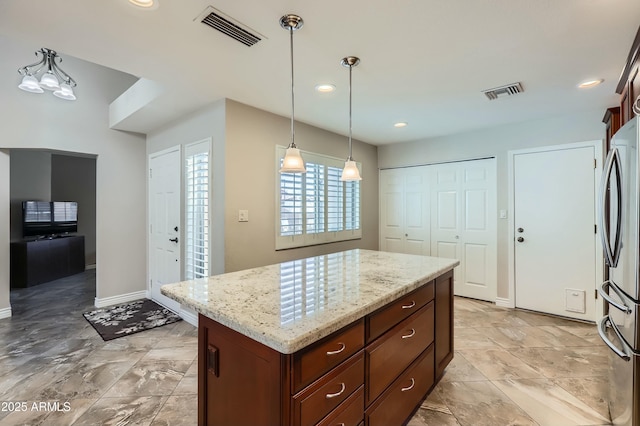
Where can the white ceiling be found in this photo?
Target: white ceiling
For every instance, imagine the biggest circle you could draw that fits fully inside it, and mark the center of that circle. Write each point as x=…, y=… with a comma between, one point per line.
x=422, y=61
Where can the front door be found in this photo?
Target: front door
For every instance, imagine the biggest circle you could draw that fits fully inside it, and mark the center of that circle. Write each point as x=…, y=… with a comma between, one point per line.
x=164, y=223
x=554, y=231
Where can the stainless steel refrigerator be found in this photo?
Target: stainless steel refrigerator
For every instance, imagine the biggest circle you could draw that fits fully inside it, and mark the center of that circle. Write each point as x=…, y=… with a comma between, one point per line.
x=619, y=229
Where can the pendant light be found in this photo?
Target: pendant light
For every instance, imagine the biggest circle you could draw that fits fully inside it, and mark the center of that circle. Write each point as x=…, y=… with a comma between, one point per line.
x=292, y=162
x=350, y=171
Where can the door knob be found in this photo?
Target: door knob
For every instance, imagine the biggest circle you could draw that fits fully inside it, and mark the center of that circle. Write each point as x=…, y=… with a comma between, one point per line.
x=520, y=239
x=174, y=240
x=520, y=230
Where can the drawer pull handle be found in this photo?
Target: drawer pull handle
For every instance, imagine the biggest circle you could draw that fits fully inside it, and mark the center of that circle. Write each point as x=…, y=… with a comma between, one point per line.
x=413, y=303
x=408, y=388
x=333, y=395
x=410, y=335
x=337, y=351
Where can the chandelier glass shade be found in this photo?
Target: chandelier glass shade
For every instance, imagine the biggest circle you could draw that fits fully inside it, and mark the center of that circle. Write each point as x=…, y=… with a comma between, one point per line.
x=292, y=161
x=52, y=77
x=350, y=171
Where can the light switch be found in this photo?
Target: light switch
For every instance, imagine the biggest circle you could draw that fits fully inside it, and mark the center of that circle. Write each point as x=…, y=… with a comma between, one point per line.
x=243, y=215
x=503, y=214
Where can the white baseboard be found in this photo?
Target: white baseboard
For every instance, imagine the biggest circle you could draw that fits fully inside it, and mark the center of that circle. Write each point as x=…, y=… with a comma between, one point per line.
x=189, y=316
x=5, y=313
x=87, y=267
x=122, y=298
x=504, y=303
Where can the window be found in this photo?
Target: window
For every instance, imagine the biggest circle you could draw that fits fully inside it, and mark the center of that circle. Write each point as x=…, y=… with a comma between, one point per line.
x=315, y=207
x=197, y=210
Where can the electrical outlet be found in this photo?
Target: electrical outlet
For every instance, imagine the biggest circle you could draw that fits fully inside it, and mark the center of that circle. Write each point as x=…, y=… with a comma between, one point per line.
x=243, y=215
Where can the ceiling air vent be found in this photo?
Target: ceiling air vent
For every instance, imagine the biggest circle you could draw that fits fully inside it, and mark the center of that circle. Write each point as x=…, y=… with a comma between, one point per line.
x=503, y=91
x=229, y=26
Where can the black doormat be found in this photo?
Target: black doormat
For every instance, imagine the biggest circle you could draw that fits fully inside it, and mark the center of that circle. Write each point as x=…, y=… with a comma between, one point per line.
x=134, y=317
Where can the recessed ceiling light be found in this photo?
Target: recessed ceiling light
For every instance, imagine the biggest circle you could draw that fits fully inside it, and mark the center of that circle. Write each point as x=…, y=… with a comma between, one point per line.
x=146, y=4
x=325, y=88
x=590, y=83
x=400, y=124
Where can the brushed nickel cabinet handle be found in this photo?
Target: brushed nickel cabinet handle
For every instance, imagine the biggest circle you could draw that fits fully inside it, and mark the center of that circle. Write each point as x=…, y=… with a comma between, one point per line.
x=410, y=335
x=333, y=395
x=337, y=351
x=413, y=303
x=213, y=360
x=408, y=388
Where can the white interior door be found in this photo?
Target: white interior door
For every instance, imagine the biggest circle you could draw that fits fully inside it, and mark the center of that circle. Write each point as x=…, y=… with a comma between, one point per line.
x=404, y=211
x=164, y=223
x=392, y=210
x=554, y=231
x=463, y=224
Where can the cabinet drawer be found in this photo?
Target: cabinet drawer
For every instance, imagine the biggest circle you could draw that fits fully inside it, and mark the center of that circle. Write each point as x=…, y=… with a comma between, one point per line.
x=321, y=397
x=388, y=316
x=400, y=400
x=388, y=356
x=349, y=413
x=311, y=363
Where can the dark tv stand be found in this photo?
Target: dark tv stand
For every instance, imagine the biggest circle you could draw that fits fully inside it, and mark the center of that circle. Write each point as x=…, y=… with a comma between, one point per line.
x=42, y=260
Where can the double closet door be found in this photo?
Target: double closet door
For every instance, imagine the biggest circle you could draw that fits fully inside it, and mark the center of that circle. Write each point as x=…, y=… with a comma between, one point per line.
x=445, y=210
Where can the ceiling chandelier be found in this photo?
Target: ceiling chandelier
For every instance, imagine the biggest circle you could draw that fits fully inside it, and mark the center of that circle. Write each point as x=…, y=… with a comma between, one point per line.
x=350, y=171
x=53, y=77
x=292, y=162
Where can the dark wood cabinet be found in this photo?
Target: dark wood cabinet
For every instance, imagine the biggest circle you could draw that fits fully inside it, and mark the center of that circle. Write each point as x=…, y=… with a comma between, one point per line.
x=375, y=371
x=40, y=261
x=443, y=322
x=629, y=84
x=612, y=122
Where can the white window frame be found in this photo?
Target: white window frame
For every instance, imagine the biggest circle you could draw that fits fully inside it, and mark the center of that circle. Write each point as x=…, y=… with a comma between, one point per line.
x=302, y=238
x=200, y=243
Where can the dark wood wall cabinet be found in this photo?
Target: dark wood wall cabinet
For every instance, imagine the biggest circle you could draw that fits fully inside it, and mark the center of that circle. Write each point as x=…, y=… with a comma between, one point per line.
x=629, y=84
x=40, y=261
x=375, y=371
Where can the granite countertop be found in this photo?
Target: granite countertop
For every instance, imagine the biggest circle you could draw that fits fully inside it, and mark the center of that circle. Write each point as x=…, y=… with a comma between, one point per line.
x=290, y=305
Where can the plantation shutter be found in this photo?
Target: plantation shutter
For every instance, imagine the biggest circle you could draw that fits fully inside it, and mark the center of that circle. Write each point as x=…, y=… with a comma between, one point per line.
x=197, y=210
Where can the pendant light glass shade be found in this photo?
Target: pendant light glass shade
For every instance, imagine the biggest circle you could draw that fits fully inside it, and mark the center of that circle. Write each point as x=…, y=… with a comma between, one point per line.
x=65, y=92
x=350, y=171
x=30, y=84
x=49, y=81
x=292, y=161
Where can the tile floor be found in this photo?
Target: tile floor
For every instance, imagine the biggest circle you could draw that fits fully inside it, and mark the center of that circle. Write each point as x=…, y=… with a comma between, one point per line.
x=510, y=368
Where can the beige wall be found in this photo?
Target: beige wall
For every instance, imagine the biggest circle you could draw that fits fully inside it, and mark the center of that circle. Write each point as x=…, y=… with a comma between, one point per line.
x=497, y=142
x=251, y=138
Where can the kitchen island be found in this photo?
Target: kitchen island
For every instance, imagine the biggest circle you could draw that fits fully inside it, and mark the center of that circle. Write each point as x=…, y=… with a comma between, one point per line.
x=354, y=337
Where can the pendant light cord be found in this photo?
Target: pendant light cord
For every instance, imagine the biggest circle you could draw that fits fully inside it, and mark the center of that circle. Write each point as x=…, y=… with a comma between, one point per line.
x=292, y=145
x=350, y=69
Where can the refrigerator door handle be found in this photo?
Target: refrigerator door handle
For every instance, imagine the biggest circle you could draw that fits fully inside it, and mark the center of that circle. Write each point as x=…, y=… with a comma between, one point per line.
x=605, y=295
x=618, y=239
x=604, y=226
x=602, y=324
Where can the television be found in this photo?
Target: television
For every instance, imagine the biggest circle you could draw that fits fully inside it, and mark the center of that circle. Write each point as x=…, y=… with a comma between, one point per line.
x=46, y=218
